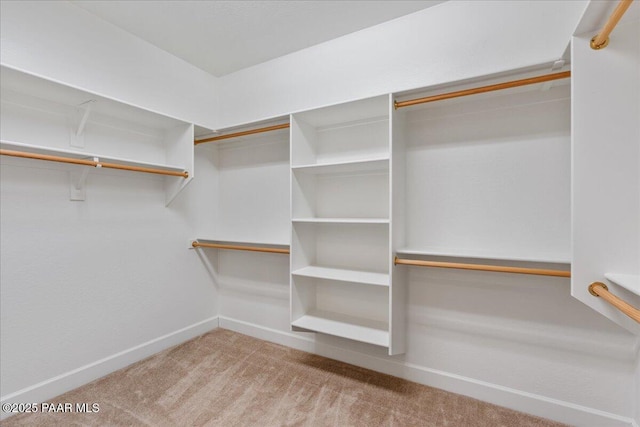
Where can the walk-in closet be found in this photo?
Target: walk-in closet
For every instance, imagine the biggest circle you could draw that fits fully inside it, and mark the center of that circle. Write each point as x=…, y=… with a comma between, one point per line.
x=354, y=213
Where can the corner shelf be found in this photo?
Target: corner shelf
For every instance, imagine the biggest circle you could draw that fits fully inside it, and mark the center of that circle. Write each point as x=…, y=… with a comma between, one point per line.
x=344, y=275
x=630, y=282
x=354, y=328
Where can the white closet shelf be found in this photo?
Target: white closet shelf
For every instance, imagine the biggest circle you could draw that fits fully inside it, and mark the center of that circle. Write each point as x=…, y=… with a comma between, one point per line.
x=354, y=328
x=630, y=282
x=377, y=164
x=343, y=275
x=479, y=255
x=342, y=220
x=76, y=154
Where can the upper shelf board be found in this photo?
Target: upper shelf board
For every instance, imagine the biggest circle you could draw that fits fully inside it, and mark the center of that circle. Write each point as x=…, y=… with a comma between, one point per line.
x=37, y=87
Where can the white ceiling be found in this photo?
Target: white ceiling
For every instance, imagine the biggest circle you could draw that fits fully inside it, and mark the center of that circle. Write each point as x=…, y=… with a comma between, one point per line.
x=221, y=37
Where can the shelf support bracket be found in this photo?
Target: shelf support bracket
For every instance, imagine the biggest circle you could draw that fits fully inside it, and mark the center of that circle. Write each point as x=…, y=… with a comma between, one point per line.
x=77, y=180
x=555, y=67
x=81, y=117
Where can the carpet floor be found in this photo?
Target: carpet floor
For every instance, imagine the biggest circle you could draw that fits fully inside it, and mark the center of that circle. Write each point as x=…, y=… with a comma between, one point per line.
x=227, y=379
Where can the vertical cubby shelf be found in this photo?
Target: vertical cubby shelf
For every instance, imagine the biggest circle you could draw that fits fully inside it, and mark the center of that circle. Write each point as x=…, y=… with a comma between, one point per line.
x=43, y=117
x=341, y=180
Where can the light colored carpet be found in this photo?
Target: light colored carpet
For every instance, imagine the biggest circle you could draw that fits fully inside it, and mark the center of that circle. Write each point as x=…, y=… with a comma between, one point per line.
x=226, y=379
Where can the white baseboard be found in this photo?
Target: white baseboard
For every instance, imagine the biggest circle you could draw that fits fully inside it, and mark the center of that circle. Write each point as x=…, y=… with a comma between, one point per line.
x=519, y=400
x=60, y=384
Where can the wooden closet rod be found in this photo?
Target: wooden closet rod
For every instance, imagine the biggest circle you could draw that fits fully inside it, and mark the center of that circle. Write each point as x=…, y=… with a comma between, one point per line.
x=243, y=133
x=601, y=40
x=482, y=267
x=93, y=163
x=483, y=89
x=239, y=248
x=598, y=289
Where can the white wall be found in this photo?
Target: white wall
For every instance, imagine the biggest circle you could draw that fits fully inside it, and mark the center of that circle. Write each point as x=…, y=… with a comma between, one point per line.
x=65, y=43
x=85, y=281
x=523, y=343
x=452, y=41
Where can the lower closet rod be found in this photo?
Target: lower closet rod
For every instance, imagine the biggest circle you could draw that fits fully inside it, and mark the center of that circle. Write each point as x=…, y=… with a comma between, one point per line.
x=93, y=163
x=483, y=267
x=240, y=248
x=599, y=289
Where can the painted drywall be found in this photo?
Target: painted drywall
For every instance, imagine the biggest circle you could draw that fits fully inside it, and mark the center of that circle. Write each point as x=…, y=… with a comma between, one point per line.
x=65, y=43
x=519, y=341
x=82, y=282
x=452, y=41
x=451, y=324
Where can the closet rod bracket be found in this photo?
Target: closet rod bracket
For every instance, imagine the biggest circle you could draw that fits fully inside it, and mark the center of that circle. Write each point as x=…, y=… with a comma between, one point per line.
x=77, y=179
x=80, y=122
x=602, y=45
x=593, y=285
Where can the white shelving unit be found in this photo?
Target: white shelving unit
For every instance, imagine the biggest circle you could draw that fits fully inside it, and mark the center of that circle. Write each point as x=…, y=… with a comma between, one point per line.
x=45, y=117
x=606, y=204
x=341, y=276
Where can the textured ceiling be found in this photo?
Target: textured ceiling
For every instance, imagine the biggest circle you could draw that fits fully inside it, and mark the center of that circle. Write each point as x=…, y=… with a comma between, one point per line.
x=221, y=37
